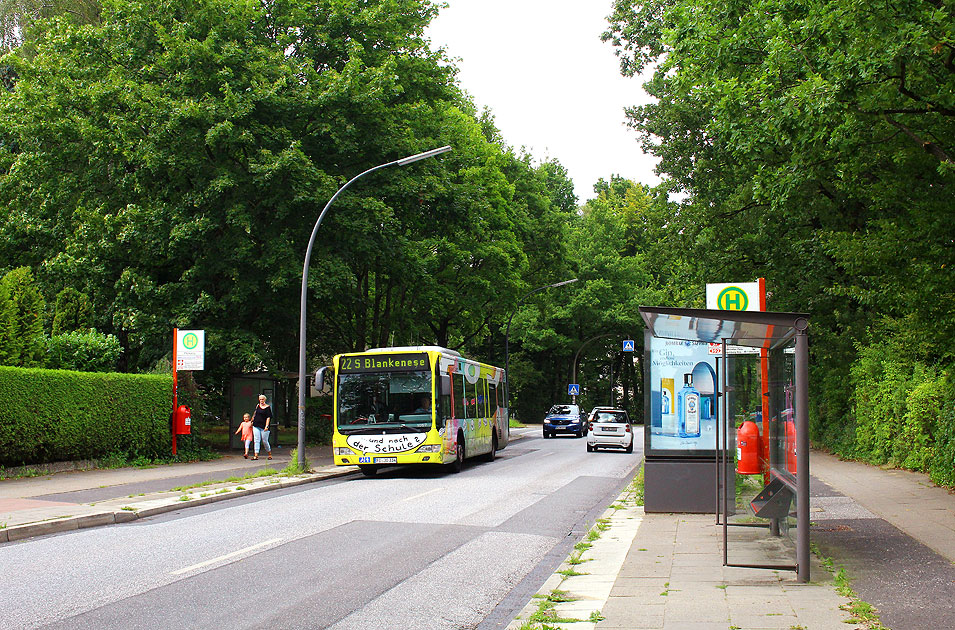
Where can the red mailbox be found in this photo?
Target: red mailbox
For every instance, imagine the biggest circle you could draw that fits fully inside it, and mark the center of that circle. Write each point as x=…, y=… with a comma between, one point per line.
x=182, y=421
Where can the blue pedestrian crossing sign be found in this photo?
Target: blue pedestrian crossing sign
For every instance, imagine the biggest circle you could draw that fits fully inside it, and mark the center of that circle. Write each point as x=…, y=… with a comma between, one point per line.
x=628, y=345
x=573, y=389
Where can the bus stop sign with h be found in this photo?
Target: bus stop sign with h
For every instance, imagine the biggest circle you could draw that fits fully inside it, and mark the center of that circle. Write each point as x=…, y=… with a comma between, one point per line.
x=188, y=353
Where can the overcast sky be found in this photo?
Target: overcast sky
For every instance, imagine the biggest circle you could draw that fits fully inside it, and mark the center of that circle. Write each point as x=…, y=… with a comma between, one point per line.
x=552, y=85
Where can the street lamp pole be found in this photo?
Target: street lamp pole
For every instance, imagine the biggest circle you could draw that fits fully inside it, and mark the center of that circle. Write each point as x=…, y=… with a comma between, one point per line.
x=308, y=257
x=507, y=333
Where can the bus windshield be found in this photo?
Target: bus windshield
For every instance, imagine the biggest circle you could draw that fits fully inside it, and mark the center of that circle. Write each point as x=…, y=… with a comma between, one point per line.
x=384, y=402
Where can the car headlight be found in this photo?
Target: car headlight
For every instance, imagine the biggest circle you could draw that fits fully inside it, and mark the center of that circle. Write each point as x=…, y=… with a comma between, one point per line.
x=429, y=448
x=338, y=450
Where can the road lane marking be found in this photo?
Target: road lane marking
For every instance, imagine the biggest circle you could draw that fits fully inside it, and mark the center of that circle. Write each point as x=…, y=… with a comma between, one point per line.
x=227, y=556
x=423, y=494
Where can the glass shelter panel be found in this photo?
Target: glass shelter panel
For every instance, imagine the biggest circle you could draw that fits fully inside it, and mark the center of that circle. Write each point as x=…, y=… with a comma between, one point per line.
x=760, y=437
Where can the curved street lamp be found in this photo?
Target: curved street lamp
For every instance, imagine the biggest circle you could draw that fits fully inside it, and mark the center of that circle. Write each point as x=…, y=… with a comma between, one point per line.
x=507, y=356
x=308, y=257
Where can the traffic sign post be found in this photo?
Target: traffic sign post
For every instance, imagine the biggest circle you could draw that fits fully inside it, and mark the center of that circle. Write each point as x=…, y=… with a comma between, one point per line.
x=746, y=296
x=188, y=353
x=573, y=389
x=628, y=345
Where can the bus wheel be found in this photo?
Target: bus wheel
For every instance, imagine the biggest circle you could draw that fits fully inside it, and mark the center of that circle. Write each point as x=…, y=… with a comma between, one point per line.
x=459, y=454
x=369, y=471
x=490, y=456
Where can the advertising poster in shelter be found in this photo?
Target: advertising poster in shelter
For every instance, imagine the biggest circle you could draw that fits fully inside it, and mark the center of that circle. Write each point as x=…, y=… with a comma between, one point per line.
x=682, y=407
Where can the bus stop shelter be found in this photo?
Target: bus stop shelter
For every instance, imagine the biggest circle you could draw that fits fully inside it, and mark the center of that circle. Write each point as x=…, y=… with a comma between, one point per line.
x=737, y=366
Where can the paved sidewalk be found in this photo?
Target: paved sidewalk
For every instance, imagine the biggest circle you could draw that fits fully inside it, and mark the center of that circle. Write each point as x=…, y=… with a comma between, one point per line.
x=35, y=506
x=907, y=500
x=664, y=571
x=893, y=530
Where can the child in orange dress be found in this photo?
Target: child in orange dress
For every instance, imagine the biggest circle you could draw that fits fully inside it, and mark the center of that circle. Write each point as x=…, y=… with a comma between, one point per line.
x=246, y=429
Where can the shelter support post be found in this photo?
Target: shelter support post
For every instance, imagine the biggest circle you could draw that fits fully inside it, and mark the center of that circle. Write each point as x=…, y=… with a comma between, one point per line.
x=802, y=449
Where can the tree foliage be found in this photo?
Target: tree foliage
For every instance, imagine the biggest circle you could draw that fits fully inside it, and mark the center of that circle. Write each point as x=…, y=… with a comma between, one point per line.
x=619, y=247
x=71, y=312
x=809, y=135
x=813, y=141
x=169, y=161
x=17, y=16
x=22, y=309
x=82, y=351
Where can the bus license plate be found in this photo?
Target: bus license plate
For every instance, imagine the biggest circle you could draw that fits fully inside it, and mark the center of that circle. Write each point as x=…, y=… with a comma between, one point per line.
x=386, y=460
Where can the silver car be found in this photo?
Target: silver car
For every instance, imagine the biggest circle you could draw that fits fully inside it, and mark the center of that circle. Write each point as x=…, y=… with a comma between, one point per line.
x=609, y=428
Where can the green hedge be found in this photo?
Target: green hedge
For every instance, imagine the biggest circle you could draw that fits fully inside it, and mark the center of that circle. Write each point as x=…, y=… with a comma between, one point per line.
x=902, y=414
x=59, y=415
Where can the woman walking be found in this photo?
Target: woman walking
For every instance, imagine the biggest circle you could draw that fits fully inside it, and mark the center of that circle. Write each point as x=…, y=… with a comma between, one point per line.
x=261, y=418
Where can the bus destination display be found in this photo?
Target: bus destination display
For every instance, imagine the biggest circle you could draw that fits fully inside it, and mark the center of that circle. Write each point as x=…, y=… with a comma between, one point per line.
x=384, y=363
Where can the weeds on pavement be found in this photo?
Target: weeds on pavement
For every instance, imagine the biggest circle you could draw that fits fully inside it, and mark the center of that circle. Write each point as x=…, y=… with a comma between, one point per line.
x=861, y=612
x=265, y=472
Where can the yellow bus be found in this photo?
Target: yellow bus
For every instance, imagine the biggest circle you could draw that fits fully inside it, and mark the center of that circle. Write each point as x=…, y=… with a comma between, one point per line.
x=416, y=405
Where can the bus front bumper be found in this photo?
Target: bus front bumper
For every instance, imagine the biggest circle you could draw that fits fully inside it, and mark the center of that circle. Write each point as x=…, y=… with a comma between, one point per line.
x=393, y=459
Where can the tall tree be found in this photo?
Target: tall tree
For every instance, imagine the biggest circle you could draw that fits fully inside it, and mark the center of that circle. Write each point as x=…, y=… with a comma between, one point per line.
x=814, y=142
x=71, y=312
x=619, y=247
x=22, y=309
x=171, y=160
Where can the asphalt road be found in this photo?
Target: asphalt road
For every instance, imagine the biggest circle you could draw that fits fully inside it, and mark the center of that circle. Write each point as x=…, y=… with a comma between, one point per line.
x=408, y=549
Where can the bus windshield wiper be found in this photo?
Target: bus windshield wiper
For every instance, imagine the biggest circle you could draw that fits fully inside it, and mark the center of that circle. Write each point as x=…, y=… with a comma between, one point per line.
x=415, y=429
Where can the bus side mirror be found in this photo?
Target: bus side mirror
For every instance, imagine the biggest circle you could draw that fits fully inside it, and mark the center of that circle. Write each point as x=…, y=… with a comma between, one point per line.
x=320, y=376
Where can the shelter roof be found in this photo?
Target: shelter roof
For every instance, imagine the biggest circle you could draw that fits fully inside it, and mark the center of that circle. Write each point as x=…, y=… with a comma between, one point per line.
x=740, y=328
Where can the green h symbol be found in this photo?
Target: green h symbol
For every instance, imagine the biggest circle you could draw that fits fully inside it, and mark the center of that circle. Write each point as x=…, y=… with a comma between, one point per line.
x=732, y=299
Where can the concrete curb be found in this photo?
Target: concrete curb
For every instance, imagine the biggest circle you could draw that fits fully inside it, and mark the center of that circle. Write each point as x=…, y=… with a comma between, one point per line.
x=584, y=600
x=126, y=510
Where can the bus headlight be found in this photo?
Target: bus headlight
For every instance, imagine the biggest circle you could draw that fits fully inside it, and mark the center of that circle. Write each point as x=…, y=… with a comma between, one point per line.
x=429, y=448
x=338, y=450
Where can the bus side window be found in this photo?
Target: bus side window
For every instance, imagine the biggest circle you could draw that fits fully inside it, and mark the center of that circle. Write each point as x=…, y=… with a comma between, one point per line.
x=478, y=399
x=485, y=406
x=460, y=403
x=491, y=400
x=444, y=400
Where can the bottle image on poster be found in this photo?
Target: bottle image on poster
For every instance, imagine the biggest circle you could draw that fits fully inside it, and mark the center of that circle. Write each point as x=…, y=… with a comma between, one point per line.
x=666, y=395
x=688, y=409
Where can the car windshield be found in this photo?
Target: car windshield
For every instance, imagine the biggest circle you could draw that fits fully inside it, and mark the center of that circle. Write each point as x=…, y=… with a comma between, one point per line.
x=618, y=417
x=562, y=409
x=384, y=402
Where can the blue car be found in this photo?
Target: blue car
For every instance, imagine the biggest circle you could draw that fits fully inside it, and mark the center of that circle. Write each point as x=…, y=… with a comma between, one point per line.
x=564, y=419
